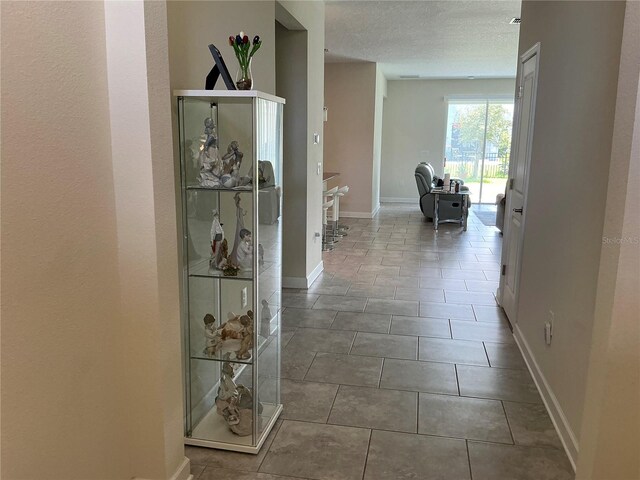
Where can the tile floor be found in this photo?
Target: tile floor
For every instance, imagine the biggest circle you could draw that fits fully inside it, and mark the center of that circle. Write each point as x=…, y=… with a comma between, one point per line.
x=397, y=364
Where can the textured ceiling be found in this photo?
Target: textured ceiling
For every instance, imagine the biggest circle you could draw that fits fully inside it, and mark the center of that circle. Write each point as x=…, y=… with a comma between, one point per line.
x=433, y=39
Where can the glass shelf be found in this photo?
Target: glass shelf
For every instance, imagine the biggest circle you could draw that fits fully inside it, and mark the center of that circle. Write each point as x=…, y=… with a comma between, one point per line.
x=263, y=343
x=201, y=269
x=221, y=189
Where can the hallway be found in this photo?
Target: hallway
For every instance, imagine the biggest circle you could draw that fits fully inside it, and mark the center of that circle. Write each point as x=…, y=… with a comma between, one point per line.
x=397, y=364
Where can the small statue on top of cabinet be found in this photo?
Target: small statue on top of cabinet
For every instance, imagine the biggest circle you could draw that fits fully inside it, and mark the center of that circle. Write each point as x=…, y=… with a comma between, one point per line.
x=209, y=157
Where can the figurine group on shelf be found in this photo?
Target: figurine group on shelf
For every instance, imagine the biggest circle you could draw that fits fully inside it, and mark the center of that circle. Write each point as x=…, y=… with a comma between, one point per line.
x=235, y=403
x=233, y=339
x=241, y=256
x=217, y=171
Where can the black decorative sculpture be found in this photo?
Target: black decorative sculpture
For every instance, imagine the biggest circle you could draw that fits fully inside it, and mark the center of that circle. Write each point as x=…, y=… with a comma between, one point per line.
x=220, y=68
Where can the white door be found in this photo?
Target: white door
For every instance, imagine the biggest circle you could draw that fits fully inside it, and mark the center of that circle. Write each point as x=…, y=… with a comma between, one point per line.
x=515, y=210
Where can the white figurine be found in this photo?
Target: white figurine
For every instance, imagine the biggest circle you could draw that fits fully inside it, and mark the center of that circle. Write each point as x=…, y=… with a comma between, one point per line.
x=242, y=253
x=209, y=157
x=231, y=162
x=265, y=319
x=218, y=259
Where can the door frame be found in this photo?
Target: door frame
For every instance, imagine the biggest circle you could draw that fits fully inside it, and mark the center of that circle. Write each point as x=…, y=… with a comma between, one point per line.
x=534, y=51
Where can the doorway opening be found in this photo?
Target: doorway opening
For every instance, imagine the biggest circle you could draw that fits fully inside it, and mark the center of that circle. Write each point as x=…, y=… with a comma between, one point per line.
x=478, y=143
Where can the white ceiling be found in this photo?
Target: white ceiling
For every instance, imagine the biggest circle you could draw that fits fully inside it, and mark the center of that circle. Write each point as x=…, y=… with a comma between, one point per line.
x=432, y=39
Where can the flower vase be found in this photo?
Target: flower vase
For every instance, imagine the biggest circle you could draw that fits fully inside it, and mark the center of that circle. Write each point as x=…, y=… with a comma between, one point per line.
x=244, y=79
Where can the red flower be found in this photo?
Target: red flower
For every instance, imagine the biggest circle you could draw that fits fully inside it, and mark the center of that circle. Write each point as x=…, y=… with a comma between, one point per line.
x=245, y=39
x=231, y=40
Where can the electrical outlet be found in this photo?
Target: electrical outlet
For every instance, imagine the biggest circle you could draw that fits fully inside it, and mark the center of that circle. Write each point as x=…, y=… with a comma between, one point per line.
x=243, y=297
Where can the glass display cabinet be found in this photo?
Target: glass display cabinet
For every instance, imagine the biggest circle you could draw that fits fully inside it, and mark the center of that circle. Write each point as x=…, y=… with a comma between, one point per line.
x=231, y=183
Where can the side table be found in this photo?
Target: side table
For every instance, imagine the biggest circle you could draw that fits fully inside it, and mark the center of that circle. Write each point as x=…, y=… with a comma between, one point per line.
x=436, y=205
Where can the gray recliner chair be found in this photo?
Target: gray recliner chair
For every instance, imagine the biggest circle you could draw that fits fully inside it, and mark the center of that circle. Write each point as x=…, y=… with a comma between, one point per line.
x=450, y=205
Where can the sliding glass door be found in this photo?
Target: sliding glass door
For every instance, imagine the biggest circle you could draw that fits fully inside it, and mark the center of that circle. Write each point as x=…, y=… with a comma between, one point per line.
x=478, y=144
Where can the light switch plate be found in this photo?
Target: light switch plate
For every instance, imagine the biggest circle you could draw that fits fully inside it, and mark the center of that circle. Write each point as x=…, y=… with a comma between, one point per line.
x=316, y=138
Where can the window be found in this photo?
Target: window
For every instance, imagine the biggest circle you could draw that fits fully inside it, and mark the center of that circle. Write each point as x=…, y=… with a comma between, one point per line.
x=478, y=145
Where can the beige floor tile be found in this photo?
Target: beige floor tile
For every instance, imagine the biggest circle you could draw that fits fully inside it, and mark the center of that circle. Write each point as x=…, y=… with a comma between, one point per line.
x=483, y=331
x=298, y=300
x=381, y=409
x=469, y=298
x=345, y=370
x=387, y=346
x=340, y=303
x=307, y=401
x=420, y=294
x=509, y=462
x=498, y=383
x=322, y=452
x=294, y=363
x=531, y=425
x=304, y=317
x=486, y=313
x=394, y=456
x=366, y=291
x=211, y=473
x=504, y=355
x=419, y=376
x=452, y=351
x=321, y=340
x=446, y=310
x=362, y=322
x=421, y=326
x=392, y=307
x=462, y=417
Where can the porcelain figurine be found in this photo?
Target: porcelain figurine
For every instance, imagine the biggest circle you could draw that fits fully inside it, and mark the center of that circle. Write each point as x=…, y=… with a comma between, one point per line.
x=209, y=157
x=218, y=258
x=235, y=403
x=210, y=335
x=242, y=253
x=231, y=162
x=233, y=339
x=265, y=319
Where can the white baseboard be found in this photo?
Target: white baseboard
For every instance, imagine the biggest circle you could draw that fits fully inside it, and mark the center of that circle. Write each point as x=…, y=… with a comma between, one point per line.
x=302, y=282
x=559, y=419
x=182, y=473
x=375, y=211
x=315, y=274
x=399, y=200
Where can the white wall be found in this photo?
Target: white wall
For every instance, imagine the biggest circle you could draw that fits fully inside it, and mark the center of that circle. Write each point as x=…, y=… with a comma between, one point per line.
x=381, y=95
x=571, y=152
x=310, y=16
x=414, y=128
x=610, y=432
x=350, y=96
x=193, y=25
x=91, y=381
x=292, y=84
